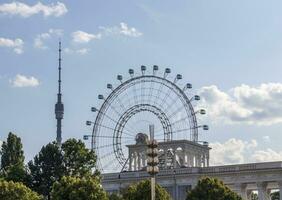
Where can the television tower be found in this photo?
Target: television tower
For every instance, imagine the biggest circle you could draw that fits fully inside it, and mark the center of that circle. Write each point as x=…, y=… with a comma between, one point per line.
x=59, y=107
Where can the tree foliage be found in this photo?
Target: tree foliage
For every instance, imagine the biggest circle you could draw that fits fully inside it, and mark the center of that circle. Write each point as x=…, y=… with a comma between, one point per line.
x=78, y=160
x=254, y=196
x=12, y=152
x=275, y=196
x=16, y=191
x=52, y=163
x=211, y=189
x=76, y=188
x=12, y=159
x=46, y=168
x=115, y=196
x=142, y=190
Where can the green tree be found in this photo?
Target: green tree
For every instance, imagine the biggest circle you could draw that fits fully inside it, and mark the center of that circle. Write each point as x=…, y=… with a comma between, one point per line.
x=16, y=191
x=76, y=188
x=142, y=190
x=211, y=189
x=46, y=169
x=78, y=160
x=115, y=196
x=254, y=196
x=12, y=152
x=275, y=196
x=12, y=159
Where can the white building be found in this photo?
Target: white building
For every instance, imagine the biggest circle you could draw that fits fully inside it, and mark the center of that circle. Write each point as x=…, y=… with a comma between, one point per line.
x=185, y=162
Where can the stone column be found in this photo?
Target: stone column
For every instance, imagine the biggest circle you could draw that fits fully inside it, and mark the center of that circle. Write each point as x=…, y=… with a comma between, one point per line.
x=262, y=191
x=135, y=160
x=249, y=194
x=198, y=160
x=174, y=158
x=165, y=157
x=241, y=189
x=280, y=189
x=208, y=159
x=192, y=160
x=204, y=160
x=130, y=161
x=139, y=160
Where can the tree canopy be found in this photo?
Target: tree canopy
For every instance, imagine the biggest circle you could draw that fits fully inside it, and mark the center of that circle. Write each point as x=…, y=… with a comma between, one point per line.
x=12, y=159
x=12, y=152
x=78, y=160
x=76, y=188
x=142, y=190
x=46, y=168
x=115, y=196
x=212, y=189
x=52, y=163
x=16, y=191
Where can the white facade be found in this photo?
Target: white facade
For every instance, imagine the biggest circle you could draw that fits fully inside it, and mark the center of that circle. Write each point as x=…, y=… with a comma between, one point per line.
x=243, y=179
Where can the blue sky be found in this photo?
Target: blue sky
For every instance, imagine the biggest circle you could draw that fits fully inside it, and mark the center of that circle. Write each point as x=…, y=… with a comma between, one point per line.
x=230, y=51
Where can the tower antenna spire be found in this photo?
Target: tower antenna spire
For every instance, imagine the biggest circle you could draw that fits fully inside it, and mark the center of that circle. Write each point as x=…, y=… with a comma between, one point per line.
x=59, y=107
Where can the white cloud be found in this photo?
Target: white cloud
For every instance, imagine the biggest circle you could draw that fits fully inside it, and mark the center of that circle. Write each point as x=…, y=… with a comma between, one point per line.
x=24, y=10
x=82, y=51
x=253, y=105
x=268, y=155
x=231, y=152
x=24, y=81
x=39, y=41
x=83, y=37
x=122, y=29
x=235, y=151
x=16, y=44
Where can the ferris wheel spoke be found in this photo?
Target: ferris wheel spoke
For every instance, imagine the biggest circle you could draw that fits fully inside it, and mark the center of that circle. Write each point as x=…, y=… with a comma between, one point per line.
x=103, y=146
x=176, y=112
x=171, y=104
x=119, y=114
x=113, y=120
x=110, y=163
x=158, y=93
x=134, y=94
x=114, y=109
x=165, y=97
x=103, y=136
x=150, y=91
x=114, y=129
x=178, y=121
x=107, y=154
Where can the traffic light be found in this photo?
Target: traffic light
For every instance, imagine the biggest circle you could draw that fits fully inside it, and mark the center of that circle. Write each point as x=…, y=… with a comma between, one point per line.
x=152, y=157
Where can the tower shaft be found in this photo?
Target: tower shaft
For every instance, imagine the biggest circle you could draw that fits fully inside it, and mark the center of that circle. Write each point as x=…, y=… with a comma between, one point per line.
x=59, y=107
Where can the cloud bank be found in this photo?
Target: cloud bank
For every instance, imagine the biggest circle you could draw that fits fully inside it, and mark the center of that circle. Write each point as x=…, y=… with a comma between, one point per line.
x=123, y=29
x=244, y=104
x=24, y=81
x=40, y=39
x=235, y=151
x=24, y=10
x=83, y=37
x=16, y=44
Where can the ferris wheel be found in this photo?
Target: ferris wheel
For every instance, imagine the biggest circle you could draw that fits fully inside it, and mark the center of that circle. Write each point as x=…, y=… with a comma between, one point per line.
x=143, y=98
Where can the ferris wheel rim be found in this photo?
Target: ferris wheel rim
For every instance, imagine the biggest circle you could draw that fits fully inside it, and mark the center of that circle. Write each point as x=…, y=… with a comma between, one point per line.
x=121, y=87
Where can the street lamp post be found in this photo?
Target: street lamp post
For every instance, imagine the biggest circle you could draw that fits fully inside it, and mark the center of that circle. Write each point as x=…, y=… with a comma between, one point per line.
x=152, y=161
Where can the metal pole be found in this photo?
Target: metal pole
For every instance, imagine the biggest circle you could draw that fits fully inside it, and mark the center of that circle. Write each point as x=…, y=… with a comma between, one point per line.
x=153, y=187
x=153, y=179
